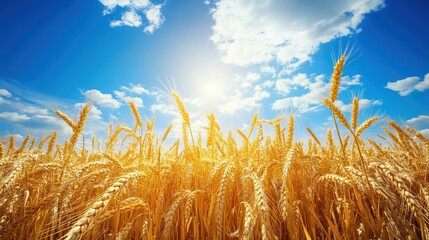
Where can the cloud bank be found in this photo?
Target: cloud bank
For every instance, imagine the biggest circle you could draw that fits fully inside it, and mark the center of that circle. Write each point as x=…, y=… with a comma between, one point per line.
x=135, y=13
x=409, y=85
x=288, y=32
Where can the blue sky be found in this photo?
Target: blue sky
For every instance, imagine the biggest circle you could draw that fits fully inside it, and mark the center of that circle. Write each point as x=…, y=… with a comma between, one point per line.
x=231, y=57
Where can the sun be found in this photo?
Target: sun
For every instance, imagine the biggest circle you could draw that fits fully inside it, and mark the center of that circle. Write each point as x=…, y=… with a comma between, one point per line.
x=211, y=85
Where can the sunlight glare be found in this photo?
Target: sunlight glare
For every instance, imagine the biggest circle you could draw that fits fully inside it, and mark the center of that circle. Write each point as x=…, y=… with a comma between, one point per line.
x=211, y=86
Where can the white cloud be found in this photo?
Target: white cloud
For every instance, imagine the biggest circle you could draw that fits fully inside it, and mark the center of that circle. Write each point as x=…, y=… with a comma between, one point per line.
x=310, y=101
x=132, y=12
x=239, y=102
x=5, y=93
x=285, y=86
x=288, y=32
x=268, y=84
x=246, y=80
x=155, y=18
x=352, y=81
x=111, y=4
x=24, y=107
x=363, y=104
x=423, y=85
x=102, y=99
x=163, y=108
x=422, y=121
x=133, y=4
x=14, y=116
x=404, y=86
x=409, y=85
x=138, y=89
x=129, y=18
x=28, y=108
x=2, y=100
x=125, y=99
x=268, y=69
x=113, y=117
x=196, y=102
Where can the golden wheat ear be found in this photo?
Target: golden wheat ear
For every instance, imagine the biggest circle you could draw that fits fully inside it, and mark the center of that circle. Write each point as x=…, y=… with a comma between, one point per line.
x=336, y=78
x=182, y=108
x=136, y=115
x=337, y=112
x=355, y=112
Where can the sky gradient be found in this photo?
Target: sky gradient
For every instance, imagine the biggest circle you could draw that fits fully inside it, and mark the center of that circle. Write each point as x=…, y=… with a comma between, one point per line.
x=230, y=57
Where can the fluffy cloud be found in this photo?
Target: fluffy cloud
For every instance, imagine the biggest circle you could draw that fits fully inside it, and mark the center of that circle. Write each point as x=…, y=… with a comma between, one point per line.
x=129, y=18
x=409, y=85
x=14, y=116
x=351, y=81
x=138, y=89
x=310, y=101
x=125, y=99
x=288, y=32
x=102, y=99
x=132, y=12
x=155, y=18
x=28, y=108
x=239, y=102
x=25, y=107
x=111, y=4
x=422, y=121
x=5, y=93
x=284, y=86
x=246, y=80
x=163, y=108
x=268, y=69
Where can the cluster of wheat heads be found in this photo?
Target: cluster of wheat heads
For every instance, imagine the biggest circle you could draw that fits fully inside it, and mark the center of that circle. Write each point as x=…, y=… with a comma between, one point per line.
x=252, y=186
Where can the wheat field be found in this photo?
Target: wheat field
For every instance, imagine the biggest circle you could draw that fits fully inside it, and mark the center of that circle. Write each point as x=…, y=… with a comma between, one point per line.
x=219, y=185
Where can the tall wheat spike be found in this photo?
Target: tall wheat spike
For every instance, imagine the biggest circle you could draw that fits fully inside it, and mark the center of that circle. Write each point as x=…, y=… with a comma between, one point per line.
x=336, y=78
x=51, y=143
x=355, y=112
x=182, y=109
x=136, y=115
